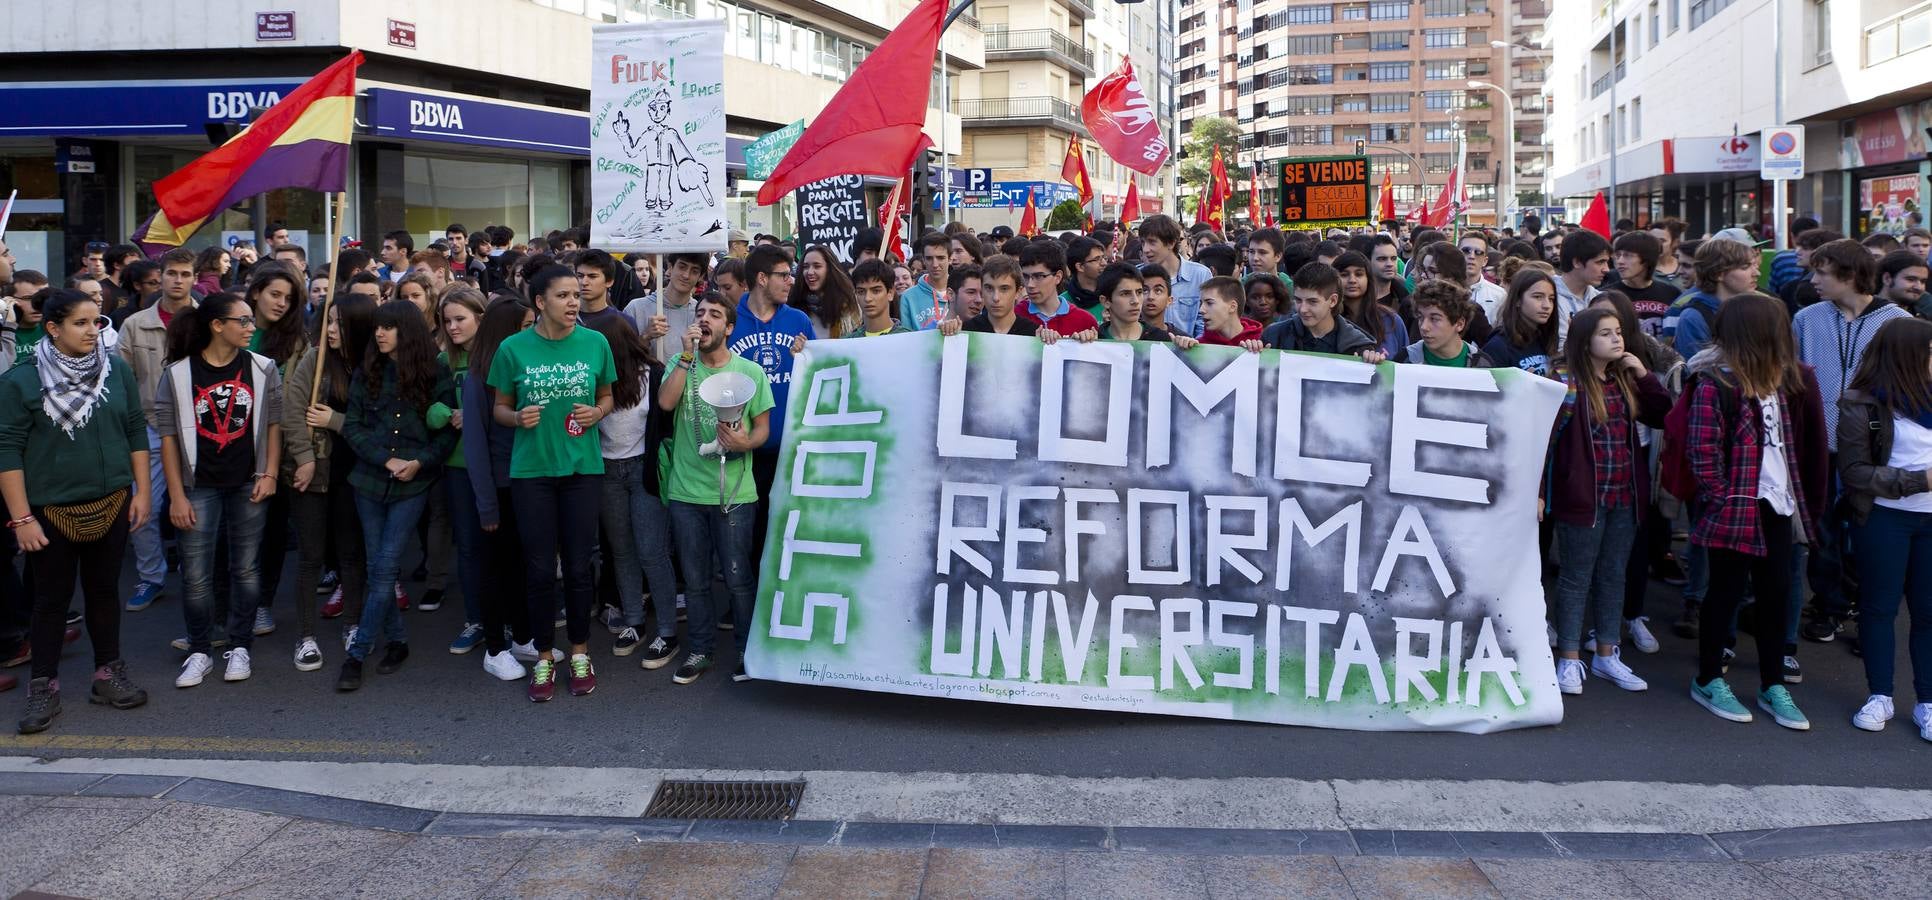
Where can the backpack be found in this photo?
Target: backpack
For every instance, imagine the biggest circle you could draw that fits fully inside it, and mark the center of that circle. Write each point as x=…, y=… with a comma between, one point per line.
x=1673, y=461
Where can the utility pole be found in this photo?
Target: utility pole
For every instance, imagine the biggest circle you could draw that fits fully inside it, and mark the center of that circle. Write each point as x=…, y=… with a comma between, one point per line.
x=1616, y=118
x=1782, y=227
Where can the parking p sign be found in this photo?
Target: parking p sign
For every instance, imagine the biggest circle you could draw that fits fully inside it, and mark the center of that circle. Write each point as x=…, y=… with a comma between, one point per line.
x=1783, y=153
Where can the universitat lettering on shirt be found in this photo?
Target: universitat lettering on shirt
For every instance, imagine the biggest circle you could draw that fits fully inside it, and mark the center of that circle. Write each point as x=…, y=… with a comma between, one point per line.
x=771, y=350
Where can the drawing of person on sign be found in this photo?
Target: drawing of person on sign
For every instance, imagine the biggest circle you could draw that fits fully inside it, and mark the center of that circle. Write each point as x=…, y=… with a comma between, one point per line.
x=665, y=156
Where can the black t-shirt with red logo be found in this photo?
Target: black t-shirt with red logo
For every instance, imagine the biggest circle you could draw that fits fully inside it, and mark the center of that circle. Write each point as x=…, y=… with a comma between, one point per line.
x=225, y=403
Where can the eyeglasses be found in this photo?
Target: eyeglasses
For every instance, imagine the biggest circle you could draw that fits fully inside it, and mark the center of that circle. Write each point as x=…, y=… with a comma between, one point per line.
x=239, y=320
x=1472, y=251
x=1035, y=276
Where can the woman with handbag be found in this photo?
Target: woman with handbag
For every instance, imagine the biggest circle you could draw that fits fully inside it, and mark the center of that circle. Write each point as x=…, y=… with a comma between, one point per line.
x=73, y=442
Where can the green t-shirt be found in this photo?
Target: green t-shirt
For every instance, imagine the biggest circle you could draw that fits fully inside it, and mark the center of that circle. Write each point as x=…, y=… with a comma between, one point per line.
x=694, y=478
x=1460, y=360
x=25, y=341
x=556, y=375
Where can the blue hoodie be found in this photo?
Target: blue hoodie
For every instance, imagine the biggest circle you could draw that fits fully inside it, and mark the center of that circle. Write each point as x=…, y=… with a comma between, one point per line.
x=1688, y=323
x=769, y=344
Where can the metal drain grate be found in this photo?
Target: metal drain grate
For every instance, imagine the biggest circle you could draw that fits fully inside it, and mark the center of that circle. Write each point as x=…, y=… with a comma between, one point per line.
x=766, y=800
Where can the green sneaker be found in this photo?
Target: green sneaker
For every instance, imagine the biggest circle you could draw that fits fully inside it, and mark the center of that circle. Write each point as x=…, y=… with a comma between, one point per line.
x=1717, y=698
x=1777, y=701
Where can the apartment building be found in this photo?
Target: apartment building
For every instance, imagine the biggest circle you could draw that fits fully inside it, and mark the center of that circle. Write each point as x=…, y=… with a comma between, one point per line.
x=1392, y=76
x=1681, y=91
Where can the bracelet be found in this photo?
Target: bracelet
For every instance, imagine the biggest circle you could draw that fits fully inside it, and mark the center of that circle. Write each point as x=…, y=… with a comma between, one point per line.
x=261, y=475
x=23, y=520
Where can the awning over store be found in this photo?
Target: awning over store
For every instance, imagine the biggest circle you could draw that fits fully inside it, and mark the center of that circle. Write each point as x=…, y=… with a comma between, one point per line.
x=1695, y=159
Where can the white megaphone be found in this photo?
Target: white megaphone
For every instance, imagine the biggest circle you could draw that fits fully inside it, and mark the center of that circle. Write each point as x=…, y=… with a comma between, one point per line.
x=727, y=393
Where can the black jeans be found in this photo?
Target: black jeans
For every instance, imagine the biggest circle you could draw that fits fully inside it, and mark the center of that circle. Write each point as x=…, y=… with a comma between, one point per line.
x=764, y=469
x=274, y=550
x=559, y=515
x=1652, y=528
x=16, y=596
x=323, y=521
x=504, y=590
x=1770, y=579
x=98, y=564
x=1831, y=560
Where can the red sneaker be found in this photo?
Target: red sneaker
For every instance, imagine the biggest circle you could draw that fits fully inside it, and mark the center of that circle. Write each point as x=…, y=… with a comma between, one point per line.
x=543, y=681
x=332, y=607
x=402, y=597
x=22, y=655
x=8, y=683
x=583, y=676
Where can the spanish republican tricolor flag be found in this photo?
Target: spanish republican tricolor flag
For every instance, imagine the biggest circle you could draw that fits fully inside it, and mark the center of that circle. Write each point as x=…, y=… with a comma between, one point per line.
x=301, y=142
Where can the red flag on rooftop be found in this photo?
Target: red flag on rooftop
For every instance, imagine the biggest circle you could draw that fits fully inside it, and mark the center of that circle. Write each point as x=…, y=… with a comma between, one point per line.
x=873, y=125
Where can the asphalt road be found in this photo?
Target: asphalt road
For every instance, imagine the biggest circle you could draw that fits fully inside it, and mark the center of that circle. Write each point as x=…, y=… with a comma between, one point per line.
x=443, y=708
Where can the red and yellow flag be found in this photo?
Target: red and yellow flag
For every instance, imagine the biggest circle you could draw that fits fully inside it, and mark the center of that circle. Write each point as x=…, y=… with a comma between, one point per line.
x=300, y=142
x=1029, y=218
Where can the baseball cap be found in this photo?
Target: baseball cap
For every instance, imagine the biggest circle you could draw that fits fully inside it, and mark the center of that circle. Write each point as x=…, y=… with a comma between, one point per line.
x=737, y=236
x=1739, y=235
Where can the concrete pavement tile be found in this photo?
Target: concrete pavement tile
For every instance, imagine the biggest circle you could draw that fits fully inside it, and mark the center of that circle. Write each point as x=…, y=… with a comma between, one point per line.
x=170, y=852
x=1622, y=845
x=1414, y=878
x=842, y=872
x=134, y=786
x=576, y=868
x=299, y=803
x=1898, y=873
x=1052, y=837
x=592, y=828
x=13, y=807
x=1861, y=837
x=1016, y=874
x=716, y=870
x=444, y=866
x=41, y=842
x=83, y=801
x=304, y=846
x=1105, y=876
x=1700, y=880
x=798, y=831
x=1558, y=879
x=1253, y=877
x=963, y=836
x=1210, y=840
x=1506, y=844
x=45, y=784
x=886, y=834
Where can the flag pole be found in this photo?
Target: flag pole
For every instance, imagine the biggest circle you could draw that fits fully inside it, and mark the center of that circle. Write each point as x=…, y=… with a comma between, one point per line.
x=336, y=231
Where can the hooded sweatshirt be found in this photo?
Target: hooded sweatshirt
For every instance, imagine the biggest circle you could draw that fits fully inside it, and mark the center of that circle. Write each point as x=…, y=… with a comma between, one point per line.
x=1344, y=339
x=1833, y=345
x=1251, y=330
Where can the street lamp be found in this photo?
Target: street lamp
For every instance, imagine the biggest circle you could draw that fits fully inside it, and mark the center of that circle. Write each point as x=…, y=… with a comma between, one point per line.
x=1509, y=147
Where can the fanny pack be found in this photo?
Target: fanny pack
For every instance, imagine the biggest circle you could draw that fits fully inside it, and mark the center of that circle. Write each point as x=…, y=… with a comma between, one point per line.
x=87, y=522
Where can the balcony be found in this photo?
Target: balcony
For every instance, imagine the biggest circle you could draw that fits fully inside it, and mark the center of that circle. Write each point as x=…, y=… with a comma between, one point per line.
x=1894, y=37
x=1023, y=112
x=1039, y=43
x=1080, y=8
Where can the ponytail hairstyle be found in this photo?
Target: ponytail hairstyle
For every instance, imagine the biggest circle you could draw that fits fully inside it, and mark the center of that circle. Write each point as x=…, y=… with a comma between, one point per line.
x=414, y=356
x=284, y=338
x=355, y=317
x=193, y=329
x=628, y=351
x=539, y=281
x=1752, y=333
x=1894, y=369
x=1578, y=370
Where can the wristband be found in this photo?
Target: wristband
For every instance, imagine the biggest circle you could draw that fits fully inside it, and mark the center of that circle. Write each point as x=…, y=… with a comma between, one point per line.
x=23, y=520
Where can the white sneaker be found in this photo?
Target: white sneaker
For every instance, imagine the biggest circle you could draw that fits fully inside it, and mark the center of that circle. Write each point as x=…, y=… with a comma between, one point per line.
x=526, y=653
x=1552, y=630
x=1640, y=635
x=195, y=669
x=1875, y=713
x=1569, y=676
x=238, y=669
x=264, y=622
x=349, y=636
x=503, y=665
x=1922, y=717
x=1590, y=641
x=308, y=656
x=1613, y=669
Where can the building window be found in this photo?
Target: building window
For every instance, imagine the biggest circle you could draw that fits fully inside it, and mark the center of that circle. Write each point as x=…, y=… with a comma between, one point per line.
x=1673, y=4
x=1384, y=103
x=1352, y=103
x=1389, y=71
x=1438, y=134
x=1445, y=69
x=1310, y=74
x=1443, y=99
x=1820, y=27
x=1441, y=8
x=1304, y=106
x=1388, y=134
x=1394, y=165
x=1305, y=45
x=1388, y=10
x=1444, y=37
x=1656, y=24
x=1438, y=163
x=1304, y=15
x=1389, y=40
x=1702, y=11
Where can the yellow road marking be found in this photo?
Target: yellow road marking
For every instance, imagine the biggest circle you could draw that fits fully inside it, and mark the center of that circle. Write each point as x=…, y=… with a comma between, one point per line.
x=134, y=744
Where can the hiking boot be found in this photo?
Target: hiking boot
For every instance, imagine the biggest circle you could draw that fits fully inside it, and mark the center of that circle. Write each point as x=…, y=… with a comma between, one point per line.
x=113, y=687
x=43, y=704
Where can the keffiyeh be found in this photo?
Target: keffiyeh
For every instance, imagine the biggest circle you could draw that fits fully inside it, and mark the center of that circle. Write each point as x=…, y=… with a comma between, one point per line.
x=71, y=386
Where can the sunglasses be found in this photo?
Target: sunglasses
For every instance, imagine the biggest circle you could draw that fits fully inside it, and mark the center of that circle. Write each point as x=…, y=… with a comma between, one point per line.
x=96, y=246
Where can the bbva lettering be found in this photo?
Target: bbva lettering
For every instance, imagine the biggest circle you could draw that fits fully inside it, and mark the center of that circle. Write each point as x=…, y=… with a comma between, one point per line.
x=435, y=115
x=235, y=104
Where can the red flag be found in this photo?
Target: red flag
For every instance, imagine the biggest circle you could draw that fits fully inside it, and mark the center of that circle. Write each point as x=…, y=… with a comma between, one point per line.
x=1385, y=204
x=893, y=212
x=872, y=126
x=1254, y=196
x=1122, y=122
x=1597, y=217
x=1130, y=207
x=1419, y=212
x=1218, y=192
x=1073, y=170
x=1029, y=219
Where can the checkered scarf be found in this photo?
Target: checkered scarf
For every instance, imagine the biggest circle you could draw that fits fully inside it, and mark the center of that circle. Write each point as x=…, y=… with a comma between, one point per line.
x=71, y=386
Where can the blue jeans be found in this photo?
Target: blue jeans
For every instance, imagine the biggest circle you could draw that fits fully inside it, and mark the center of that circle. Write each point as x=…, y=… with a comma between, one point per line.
x=216, y=510
x=466, y=528
x=700, y=530
x=150, y=559
x=640, y=547
x=386, y=526
x=1591, y=575
x=1895, y=561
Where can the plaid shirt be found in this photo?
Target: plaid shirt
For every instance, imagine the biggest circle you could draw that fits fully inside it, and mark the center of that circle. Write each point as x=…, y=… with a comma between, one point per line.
x=1610, y=452
x=1725, y=449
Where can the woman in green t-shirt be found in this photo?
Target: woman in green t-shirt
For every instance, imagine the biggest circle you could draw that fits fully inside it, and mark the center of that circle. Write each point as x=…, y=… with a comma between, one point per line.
x=553, y=384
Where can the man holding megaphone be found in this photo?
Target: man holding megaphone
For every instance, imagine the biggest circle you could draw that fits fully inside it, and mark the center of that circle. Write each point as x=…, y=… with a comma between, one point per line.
x=721, y=404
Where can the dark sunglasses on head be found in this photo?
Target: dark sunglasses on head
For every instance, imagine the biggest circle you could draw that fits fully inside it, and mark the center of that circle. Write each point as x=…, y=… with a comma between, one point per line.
x=96, y=246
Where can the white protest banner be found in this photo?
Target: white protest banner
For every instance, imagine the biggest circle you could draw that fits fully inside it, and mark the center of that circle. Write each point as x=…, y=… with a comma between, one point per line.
x=657, y=137
x=1286, y=538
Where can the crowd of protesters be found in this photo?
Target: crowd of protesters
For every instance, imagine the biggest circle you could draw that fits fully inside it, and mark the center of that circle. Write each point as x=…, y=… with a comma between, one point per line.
x=523, y=417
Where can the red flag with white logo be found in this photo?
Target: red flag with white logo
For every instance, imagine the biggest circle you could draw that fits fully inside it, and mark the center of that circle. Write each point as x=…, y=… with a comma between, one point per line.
x=1121, y=119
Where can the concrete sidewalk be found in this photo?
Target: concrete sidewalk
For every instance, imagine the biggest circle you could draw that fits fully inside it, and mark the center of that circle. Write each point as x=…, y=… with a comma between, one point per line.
x=128, y=836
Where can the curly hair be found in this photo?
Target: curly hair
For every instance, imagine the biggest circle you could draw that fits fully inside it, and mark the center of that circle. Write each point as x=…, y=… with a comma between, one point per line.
x=414, y=356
